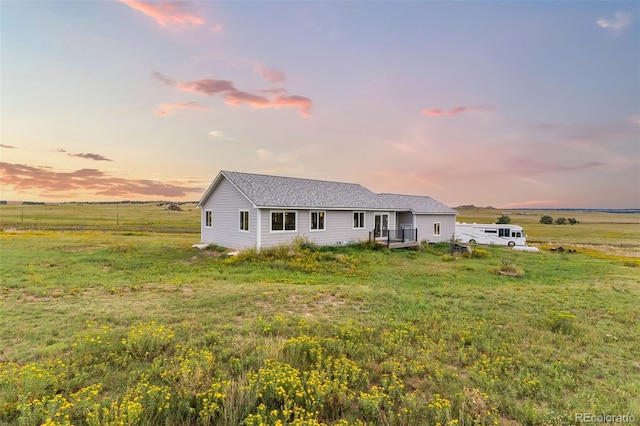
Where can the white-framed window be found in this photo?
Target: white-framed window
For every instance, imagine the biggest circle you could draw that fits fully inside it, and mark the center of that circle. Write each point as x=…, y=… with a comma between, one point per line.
x=208, y=218
x=317, y=220
x=283, y=221
x=436, y=228
x=358, y=220
x=244, y=220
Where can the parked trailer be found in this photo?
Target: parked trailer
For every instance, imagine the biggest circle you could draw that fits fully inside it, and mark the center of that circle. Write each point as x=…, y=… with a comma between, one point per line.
x=477, y=233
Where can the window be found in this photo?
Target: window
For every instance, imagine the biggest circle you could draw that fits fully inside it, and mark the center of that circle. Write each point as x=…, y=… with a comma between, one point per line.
x=503, y=232
x=283, y=221
x=244, y=220
x=208, y=218
x=317, y=221
x=358, y=219
x=436, y=228
x=490, y=231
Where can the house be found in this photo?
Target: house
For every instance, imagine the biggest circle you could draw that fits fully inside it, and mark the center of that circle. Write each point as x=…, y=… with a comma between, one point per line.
x=244, y=210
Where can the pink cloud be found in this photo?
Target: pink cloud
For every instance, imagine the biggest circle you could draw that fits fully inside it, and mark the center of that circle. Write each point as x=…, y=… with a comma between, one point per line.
x=167, y=13
x=304, y=104
x=441, y=113
x=269, y=74
x=207, y=87
x=41, y=180
x=268, y=98
x=238, y=97
x=166, y=109
x=274, y=92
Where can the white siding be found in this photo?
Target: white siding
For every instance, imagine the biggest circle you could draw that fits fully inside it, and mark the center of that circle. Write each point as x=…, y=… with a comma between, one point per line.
x=405, y=218
x=226, y=202
x=338, y=228
x=424, y=223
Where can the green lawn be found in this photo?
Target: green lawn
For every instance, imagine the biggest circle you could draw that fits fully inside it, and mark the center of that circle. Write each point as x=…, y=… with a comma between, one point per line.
x=104, y=325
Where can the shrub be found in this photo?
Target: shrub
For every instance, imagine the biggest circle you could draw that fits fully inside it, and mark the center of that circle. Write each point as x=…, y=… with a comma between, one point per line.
x=368, y=245
x=302, y=242
x=562, y=322
x=145, y=341
x=479, y=253
x=503, y=220
x=546, y=219
x=561, y=221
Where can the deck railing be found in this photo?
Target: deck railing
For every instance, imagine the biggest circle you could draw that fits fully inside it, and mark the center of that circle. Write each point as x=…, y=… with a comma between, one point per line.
x=402, y=235
x=395, y=235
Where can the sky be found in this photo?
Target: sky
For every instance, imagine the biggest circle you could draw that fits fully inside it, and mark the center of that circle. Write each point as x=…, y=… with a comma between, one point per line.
x=503, y=104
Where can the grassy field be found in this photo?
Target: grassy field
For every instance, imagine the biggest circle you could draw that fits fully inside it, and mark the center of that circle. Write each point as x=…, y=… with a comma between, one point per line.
x=595, y=228
x=112, y=318
x=107, y=217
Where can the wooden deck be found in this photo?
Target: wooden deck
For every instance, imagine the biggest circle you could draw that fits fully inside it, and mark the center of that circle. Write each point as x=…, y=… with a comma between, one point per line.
x=403, y=245
x=396, y=238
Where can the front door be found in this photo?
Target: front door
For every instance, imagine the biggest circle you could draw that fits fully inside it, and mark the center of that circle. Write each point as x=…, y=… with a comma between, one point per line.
x=381, y=221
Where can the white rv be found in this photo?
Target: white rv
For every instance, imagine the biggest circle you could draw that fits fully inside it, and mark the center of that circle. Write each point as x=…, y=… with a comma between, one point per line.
x=477, y=233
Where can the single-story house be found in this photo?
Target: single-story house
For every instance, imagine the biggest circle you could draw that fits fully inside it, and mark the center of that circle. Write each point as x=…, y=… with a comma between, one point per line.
x=244, y=210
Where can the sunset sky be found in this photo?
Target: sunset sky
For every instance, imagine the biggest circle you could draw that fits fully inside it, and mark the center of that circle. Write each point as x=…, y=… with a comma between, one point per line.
x=508, y=104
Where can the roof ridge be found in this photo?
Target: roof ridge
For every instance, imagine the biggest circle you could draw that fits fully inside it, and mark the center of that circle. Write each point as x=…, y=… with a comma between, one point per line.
x=296, y=178
x=404, y=195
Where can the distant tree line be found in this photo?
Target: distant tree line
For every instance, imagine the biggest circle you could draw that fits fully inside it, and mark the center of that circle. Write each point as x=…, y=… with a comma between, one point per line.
x=548, y=220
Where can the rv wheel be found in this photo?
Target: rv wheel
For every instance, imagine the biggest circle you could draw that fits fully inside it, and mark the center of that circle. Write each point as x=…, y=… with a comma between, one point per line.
x=472, y=241
x=511, y=244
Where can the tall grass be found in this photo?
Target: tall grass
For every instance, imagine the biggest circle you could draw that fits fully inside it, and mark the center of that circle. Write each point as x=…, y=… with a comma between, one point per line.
x=106, y=328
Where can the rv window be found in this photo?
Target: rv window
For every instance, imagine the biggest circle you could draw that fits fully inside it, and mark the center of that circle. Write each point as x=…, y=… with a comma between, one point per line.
x=490, y=231
x=504, y=232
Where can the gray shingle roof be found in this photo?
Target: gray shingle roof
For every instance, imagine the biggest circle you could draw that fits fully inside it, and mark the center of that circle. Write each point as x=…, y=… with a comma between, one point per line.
x=280, y=191
x=415, y=203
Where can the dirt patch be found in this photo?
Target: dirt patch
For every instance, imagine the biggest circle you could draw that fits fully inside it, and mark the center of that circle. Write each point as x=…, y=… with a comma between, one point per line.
x=320, y=305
